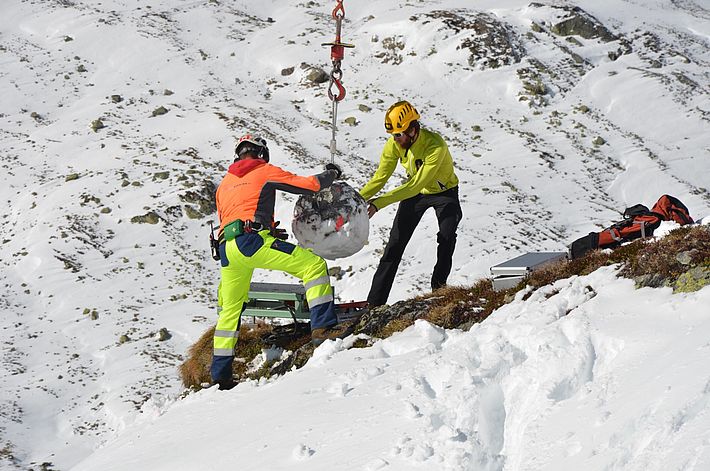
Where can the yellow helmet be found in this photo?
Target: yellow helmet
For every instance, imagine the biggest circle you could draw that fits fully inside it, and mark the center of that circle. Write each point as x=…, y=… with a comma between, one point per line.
x=399, y=116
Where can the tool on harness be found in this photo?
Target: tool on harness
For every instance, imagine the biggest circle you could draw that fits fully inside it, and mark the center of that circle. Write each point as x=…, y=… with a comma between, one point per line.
x=337, y=53
x=214, y=244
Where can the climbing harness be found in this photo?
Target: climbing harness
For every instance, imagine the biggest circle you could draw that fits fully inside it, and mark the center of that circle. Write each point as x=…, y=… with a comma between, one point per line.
x=337, y=53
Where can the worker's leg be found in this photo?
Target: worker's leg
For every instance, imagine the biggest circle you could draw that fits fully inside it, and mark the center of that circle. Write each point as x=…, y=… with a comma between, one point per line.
x=405, y=222
x=233, y=292
x=449, y=214
x=311, y=269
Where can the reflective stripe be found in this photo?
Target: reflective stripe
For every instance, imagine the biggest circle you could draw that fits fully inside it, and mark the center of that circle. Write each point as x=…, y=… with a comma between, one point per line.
x=318, y=281
x=224, y=352
x=229, y=334
x=320, y=300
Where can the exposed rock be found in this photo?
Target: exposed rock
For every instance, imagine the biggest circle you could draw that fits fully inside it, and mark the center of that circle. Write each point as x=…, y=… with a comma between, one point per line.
x=685, y=258
x=377, y=319
x=364, y=108
x=97, y=124
x=287, y=71
x=161, y=110
x=161, y=175
x=599, y=141
x=123, y=339
x=203, y=197
x=318, y=75
x=580, y=23
x=116, y=98
x=351, y=120
x=71, y=176
x=163, y=335
x=151, y=217
x=491, y=43
x=693, y=280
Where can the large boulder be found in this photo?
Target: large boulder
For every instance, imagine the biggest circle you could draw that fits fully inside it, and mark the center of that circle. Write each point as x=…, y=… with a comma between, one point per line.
x=333, y=222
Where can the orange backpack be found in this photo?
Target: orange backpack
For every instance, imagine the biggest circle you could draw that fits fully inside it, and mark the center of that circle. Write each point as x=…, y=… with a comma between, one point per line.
x=639, y=223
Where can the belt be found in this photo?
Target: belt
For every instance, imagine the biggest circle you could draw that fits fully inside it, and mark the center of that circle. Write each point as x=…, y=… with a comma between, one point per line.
x=238, y=227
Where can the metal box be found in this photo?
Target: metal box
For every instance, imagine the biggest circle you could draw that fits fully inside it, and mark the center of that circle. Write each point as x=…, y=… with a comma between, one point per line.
x=509, y=274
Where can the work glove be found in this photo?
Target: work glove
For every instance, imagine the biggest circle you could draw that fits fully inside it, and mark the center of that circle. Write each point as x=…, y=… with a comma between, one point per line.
x=278, y=232
x=335, y=168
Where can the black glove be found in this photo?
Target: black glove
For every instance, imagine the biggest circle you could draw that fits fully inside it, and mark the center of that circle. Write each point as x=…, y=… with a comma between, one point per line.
x=277, y=232
x=336, y=169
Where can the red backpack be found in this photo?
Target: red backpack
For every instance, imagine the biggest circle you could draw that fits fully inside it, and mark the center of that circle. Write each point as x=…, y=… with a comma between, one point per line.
x=638, y=223
x=671, y=209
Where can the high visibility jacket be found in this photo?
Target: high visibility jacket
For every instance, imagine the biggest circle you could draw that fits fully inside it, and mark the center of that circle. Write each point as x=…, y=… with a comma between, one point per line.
x=427, y=162
x=248, y=190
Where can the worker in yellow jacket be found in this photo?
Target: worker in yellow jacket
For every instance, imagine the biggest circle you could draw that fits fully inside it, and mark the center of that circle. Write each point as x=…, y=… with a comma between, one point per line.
x=249, y=239
x=432, y=183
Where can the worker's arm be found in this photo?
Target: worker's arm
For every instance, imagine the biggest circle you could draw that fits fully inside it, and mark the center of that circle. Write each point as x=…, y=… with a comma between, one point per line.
x=388, y=162
x=433, y=161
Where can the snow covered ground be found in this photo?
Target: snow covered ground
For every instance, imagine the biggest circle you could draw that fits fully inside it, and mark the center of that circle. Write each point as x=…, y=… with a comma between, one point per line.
x=589, y=373
x=107, y=279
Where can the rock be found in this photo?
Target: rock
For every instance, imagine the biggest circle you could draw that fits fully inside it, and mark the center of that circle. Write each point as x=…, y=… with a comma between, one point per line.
x=94, y=315
x=71, y=176
x=192, y=213
x=163, y=335
x=36, y=116
x=685, y=258
x=81, y=68
x=476, y=128
x=364, y=108
x=287, y=71
x=335, y=272
x=168, y=92
x=583, y=109
x=581, y=23
x=693, y=280
x=653, y=280
x=598, y=141
x=318, y=75
x=148, y=218
x=491, y=43
x=159, y=111
x=161, y=175
x=351, y=120
x=116, y=98
x=123, y=339
x=97, y=124
x=105, y=210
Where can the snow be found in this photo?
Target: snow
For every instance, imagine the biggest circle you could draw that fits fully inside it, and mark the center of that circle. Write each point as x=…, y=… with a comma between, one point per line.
x=588, y=373
x=566, y=379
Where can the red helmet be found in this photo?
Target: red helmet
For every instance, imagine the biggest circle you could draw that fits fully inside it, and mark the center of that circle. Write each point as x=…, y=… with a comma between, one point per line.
x=254, y=145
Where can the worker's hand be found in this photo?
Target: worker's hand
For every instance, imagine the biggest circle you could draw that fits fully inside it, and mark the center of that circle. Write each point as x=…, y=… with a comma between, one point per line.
x=335, y=168
x=371, y=210
x=278, y=232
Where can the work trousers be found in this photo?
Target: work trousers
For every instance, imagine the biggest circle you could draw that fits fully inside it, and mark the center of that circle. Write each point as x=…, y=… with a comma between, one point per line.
x=410, y=212
x=239, y=258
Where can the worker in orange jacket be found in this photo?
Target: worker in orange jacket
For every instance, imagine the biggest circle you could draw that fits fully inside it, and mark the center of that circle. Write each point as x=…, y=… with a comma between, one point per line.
x=249, y=239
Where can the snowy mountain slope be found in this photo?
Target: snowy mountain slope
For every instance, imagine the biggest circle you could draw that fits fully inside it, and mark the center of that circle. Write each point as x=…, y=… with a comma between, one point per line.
x=104, y=231
x=544, y=383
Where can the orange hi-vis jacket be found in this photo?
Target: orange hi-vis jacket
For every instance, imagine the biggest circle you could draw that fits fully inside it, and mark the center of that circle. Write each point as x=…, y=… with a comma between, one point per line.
x=248, y=190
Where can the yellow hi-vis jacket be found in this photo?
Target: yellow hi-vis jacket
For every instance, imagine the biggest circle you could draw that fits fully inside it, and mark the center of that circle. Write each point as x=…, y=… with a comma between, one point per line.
x=429, y=167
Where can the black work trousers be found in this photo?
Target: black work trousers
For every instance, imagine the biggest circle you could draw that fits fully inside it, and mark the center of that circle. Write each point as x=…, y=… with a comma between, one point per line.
x=410, y=212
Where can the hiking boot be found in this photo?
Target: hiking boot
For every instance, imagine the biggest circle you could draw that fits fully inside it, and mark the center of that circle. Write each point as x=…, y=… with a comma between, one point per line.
x=225, y=384
x=338, y=331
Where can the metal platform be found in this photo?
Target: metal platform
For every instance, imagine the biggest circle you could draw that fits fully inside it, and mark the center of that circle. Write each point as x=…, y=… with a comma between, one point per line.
x=277, y=300
x=509, y=274
x=288, y=301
